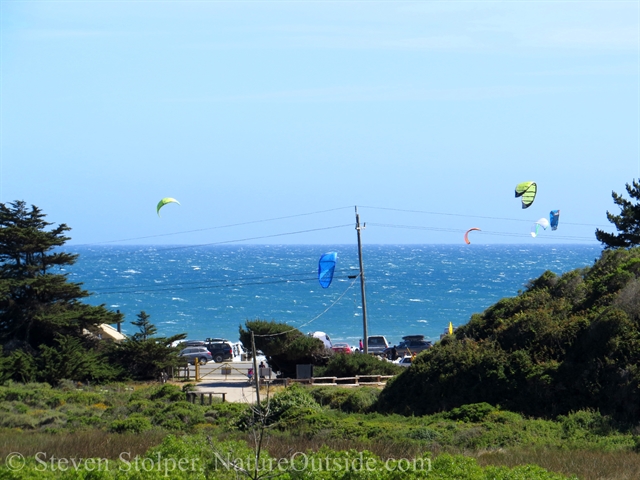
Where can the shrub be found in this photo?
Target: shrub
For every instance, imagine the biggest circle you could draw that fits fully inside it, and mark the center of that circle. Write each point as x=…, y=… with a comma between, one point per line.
x=350, y=400
x=133, y=424
x=168, y=392
x=350, y=365
x=475, y=412
x=179, y=416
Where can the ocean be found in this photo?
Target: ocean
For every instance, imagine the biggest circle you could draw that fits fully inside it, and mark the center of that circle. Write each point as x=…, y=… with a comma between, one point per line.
x=209, y=291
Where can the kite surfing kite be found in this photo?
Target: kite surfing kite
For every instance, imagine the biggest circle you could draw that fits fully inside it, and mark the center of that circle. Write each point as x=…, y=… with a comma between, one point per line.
x=164, y=201
x=466, y=234
x=542, y=223
x=554, y=218
x=526, y=190
x=326, y=267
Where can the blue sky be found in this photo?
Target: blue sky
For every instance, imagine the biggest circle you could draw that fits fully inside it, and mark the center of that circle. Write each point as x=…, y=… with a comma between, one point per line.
x=423, y=114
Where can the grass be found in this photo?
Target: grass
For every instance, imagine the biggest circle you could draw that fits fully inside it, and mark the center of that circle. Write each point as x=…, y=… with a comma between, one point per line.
x=585, y=464
x=103, y=422
x=83, y=444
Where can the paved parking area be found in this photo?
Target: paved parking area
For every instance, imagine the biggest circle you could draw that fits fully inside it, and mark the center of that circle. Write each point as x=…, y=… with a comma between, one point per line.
x=236, y=391
x=229, y=378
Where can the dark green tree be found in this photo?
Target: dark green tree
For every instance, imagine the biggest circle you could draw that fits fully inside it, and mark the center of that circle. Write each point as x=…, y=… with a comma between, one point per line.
x=37, y=302
x=627, y=223
x=144, y=356
x=147, y=329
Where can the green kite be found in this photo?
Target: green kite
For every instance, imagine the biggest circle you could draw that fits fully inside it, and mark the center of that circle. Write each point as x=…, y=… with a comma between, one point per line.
x=526, y=190
x=164, y=201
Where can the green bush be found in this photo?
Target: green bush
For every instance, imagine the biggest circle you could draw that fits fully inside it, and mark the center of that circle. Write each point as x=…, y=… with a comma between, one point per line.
x=168, y=392
x=350, y=400
x=179, y=416
x=475, y=412
x=350, y=365
x=133, y=424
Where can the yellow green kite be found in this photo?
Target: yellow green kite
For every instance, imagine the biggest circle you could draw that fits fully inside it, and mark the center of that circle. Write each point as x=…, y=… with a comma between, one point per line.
x=526, y=190
x=164, y=201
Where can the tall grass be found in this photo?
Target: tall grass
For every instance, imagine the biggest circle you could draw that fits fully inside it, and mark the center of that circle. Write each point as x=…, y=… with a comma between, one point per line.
x=81, y=444
x=586, y=464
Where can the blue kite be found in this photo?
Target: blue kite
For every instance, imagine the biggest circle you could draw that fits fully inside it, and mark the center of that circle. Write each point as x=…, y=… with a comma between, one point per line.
x=326, y=267
x=554, y=218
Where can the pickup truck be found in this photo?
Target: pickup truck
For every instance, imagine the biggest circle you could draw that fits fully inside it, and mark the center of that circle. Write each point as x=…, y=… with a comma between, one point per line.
x=377, y=344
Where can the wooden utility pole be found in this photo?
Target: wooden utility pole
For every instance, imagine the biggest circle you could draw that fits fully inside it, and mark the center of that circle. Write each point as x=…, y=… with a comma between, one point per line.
x=364, y=298
x=255, y=370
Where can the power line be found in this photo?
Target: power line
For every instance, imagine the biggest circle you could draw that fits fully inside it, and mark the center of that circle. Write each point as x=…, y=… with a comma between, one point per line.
x=314, y=318
x=217, y=227
x=473, y=216
x=175, y=288
x=256, y=238
x=483, y=232
x=183, y=247
x=215, y=283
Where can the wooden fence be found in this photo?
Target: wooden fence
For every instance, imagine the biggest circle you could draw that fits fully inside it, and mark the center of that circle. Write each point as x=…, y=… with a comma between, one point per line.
x=358, y=380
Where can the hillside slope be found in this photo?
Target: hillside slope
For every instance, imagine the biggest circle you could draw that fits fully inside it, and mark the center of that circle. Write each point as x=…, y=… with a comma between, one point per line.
x=565, y=343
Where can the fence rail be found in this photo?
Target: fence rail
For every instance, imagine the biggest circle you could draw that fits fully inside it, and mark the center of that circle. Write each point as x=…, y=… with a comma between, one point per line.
x=191, y=396
x=358, y=380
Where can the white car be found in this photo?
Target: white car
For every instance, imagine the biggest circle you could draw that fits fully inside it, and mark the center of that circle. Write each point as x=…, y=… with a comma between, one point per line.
x=405, y=361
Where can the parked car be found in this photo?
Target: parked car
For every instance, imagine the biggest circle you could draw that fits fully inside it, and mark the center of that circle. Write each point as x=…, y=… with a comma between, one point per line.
x=192, y=353
x=220, y=350
x=376, y=344
x=341, y=348
x=410, y=344
x=405, y=361
x=323, y=337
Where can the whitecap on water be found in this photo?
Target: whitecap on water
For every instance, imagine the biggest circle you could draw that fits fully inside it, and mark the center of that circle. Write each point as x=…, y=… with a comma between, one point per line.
x=415, y=300
x=422, y=321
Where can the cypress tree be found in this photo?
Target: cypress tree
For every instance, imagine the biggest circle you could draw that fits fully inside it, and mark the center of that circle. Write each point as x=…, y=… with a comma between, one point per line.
x=39, y=307
x=627, y=223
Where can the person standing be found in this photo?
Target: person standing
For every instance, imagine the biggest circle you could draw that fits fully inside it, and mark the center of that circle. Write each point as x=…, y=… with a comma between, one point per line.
x=361, y=346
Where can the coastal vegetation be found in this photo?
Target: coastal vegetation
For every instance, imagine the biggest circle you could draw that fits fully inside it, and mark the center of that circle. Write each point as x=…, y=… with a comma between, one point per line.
x=46, y=332
x=566, y=343
x=102, y=422
x=544, y=385
x=627, y=223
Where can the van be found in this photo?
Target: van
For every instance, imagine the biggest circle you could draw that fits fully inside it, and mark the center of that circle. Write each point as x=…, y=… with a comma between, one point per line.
x=376, y=344
x=323, y=337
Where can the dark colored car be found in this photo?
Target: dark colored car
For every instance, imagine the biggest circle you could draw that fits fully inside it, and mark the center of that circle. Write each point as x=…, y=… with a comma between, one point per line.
x=220, y=350
x=410, y=344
